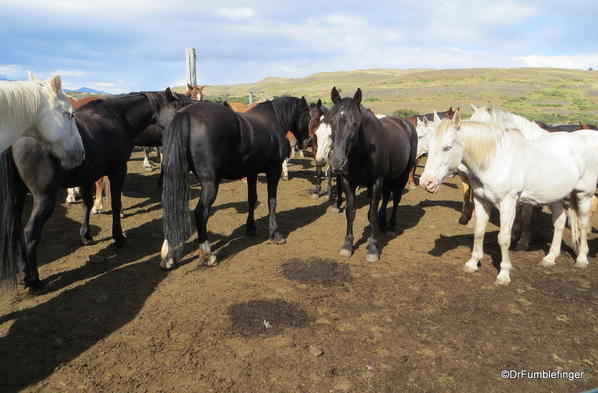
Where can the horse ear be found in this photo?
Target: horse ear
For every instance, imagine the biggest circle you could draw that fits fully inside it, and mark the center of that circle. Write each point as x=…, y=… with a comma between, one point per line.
x=168, y=94
x=30, y=76
x=489, y=108
x=189, y=87
x=319, y=103
x=357, y=97
x=425, y=121
x=473, y=107
x=303, y=101
x=436, y=117
x=336, y=97
x=457, y=120
x=201, y=88
x=418, y=121
x=55, y=84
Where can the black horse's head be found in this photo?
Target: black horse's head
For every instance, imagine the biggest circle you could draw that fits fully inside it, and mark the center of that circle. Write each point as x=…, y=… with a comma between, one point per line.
x=293, y=114
x=345, y=118
x=172, y=102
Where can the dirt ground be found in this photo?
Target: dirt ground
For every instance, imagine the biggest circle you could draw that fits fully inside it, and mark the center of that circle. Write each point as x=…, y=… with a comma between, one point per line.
x=413, y=322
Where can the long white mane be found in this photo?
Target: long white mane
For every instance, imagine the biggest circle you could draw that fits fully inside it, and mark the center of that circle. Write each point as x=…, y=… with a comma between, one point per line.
x=19, y=104
x=529, y=129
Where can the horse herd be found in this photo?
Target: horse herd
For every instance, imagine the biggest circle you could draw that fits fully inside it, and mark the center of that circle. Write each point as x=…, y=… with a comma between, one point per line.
x=504, y=160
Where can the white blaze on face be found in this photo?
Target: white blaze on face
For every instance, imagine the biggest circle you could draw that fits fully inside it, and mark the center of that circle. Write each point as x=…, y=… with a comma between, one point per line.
x=324, y=138
x=379, y=116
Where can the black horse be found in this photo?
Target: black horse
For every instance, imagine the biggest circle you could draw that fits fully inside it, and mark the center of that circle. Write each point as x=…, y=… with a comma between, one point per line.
x=216, y=143
x=108, y=128
x=371, y=152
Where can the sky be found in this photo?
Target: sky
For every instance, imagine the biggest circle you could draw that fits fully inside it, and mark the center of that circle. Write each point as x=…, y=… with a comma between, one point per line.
x=131, y=45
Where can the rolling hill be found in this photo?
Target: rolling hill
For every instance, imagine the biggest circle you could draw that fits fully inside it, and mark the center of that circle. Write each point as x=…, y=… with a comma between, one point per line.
x=548, y=94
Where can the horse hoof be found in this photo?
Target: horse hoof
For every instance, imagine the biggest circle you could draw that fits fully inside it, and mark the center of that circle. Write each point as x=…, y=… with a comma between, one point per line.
x=315, y=195
x=36, y=287
x=335, y=210
x=547, y=262
x=463, y=220
x=372, y=258
x=120, y=243
x=87, y=241
x=581, y=265
x=470, y=269
x=95, y=210
x=278, y=240
x=211, y=261
x=390, y=234
x=167, y=264
x=284, y=177
x=148, y=168
x=501, y=282
x=345, y=253
x=410, y=186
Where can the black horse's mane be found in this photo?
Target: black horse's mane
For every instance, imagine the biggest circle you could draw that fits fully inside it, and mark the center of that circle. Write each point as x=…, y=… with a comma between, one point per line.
x=287, y=109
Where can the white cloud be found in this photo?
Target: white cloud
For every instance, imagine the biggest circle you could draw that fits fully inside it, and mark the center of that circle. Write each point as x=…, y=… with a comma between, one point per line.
x=580, y=61
x=237, y=13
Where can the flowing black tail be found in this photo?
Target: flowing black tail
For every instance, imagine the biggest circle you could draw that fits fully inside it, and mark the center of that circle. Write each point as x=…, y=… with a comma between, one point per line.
x=175, y=193
x=12, y=243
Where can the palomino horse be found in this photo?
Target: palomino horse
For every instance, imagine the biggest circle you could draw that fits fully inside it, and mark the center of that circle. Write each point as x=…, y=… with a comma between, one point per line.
x=376, y=153
x=531, y=130
x=217, y=143
x=107, y=128
x=506, y=168
x=41, y=111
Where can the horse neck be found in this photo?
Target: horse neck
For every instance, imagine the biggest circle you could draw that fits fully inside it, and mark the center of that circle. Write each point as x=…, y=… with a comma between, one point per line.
x=20, y=103
x=484, y=145
x=530, y=130
x=136, y=111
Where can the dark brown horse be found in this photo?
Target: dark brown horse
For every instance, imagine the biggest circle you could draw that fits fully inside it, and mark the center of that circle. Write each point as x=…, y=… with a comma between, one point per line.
x=371, y=152
x=565, y=127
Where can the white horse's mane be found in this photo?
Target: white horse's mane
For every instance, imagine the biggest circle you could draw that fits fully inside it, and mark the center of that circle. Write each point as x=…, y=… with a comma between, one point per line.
x=528, y=128
x=480, y=140
x=19, y=103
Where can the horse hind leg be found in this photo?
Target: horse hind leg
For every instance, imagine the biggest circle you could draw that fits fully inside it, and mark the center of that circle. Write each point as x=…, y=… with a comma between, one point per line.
x=147, y=163
x=558, y=221
x=209, y=190
x=467, y=210
x=73, y=194
x=285, y=169
x=508, y=207
x=584, y=205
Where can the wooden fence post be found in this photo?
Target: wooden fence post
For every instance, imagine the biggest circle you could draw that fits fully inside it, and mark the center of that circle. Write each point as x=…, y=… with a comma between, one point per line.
x=191, y=75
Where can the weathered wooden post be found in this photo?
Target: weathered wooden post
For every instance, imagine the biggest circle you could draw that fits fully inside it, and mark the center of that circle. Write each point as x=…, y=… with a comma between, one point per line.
x=250, y=99
x=191, y=75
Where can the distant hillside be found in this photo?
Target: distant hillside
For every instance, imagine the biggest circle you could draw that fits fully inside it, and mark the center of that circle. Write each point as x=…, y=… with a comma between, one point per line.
x=87, y=90
x=548, y=94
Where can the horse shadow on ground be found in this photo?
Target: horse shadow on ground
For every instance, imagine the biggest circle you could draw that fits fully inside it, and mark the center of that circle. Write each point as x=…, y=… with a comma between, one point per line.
x=542, y=231
x=55, y=332
x=408, y=216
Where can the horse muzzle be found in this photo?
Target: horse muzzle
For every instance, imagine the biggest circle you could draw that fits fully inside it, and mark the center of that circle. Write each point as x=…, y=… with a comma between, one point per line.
x=431, y=185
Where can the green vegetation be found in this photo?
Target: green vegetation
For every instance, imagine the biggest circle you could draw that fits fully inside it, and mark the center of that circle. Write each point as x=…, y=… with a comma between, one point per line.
x=405, y=113
x=548, y=94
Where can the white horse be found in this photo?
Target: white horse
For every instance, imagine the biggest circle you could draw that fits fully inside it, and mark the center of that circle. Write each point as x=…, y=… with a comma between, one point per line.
x=506, y=168
x=41, y=110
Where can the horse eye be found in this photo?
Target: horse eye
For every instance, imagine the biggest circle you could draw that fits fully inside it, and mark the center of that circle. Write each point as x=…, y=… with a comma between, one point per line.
x=446, y=148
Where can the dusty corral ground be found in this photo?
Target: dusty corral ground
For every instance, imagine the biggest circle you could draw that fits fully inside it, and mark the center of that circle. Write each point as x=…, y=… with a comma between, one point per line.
x=413, y=322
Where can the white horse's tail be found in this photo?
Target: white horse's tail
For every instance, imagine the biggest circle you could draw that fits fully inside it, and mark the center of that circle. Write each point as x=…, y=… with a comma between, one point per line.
x=572, y=212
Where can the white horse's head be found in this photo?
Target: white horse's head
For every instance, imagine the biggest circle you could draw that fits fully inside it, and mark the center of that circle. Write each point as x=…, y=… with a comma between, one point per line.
x=324, y=140
x=445, y=153
x=424, y=129
x=484, y=114
x=56, y=123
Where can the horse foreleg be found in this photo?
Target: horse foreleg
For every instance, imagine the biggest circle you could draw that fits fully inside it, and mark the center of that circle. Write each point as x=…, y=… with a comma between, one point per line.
x=467, y=209
x=147, y=164
x=526, y=227
x=508, y=208
x=558, y=221
x=87, y=198
x=285, y=169
x=411, y=181
x=43, y=206
x=318, y=190
x=98, y=203
x=72, y=194
x=349, y=189
x=117, y=178
x=251, y=199
x=209, y=190
x=482, y=212
x=273, y=176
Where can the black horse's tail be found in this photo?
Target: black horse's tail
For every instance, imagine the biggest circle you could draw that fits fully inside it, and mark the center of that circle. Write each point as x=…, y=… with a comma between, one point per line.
x=12, y=243
x=175, y=193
